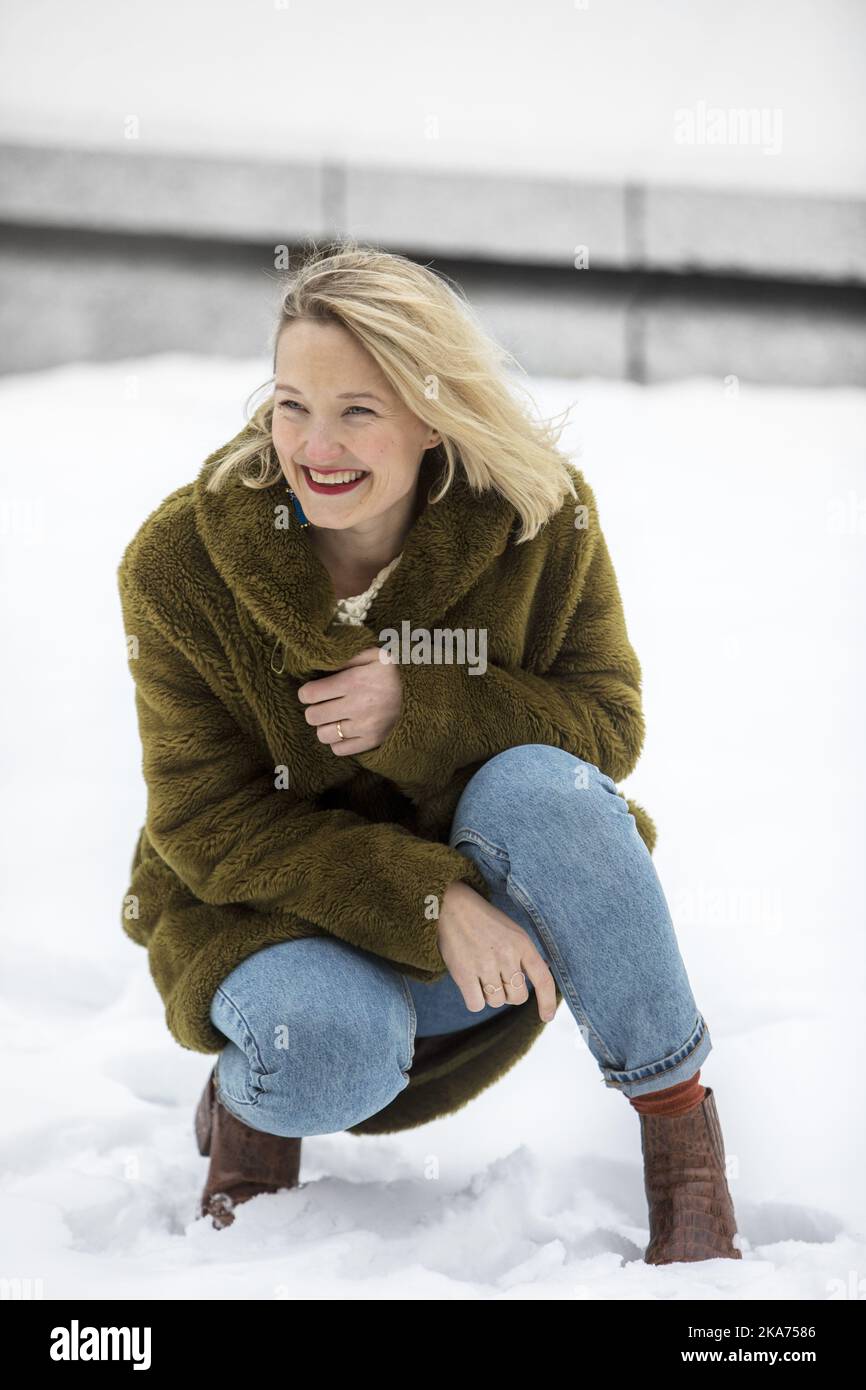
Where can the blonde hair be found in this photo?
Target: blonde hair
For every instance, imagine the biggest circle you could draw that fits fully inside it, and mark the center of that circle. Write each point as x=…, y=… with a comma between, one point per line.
x=440, y=362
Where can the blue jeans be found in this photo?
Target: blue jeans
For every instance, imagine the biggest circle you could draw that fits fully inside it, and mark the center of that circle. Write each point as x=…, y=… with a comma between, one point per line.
x=322, y=1034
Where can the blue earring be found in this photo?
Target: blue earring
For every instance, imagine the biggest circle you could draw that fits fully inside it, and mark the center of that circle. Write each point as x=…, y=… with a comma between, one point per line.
x=299, y=511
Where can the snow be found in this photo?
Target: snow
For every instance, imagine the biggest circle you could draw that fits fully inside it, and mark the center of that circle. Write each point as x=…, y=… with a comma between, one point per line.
x=731, y=512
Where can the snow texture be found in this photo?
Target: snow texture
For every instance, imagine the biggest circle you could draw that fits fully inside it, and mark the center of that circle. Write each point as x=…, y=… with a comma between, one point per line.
x=736, y=518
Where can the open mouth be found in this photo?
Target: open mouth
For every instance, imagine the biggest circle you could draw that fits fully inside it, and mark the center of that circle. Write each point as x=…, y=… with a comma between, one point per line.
x=349, y=478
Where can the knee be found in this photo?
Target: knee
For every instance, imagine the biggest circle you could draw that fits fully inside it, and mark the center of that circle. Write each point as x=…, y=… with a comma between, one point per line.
x=327, y=1061
x=538, y=776
x=327, y=1080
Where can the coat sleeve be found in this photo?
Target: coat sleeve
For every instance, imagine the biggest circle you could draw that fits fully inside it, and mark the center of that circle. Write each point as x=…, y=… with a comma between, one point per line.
x=588, y=701
x=219, y=818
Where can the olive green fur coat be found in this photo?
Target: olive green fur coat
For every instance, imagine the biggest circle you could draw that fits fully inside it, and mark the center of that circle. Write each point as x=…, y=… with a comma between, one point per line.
x=256, y=832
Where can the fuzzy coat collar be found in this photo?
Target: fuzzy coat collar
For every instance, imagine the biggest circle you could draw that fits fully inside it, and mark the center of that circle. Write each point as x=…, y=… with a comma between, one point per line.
x=264, y=555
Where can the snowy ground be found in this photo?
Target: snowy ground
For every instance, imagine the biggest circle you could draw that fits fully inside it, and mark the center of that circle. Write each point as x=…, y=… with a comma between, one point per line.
x=733, y=524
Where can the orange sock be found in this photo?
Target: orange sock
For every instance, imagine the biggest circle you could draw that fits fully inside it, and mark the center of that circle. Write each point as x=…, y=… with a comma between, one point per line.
x=673, y=1100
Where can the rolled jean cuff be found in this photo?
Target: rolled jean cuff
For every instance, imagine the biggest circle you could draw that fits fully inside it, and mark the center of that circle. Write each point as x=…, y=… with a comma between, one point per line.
x=679, y=1066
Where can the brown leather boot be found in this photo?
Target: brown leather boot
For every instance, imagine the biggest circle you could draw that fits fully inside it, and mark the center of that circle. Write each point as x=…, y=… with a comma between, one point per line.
x=243, y=1161
x=691, y=1214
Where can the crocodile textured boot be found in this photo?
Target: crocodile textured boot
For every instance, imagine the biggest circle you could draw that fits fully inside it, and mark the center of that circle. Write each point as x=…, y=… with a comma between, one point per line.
x=691, y=1214
x=243, y=1161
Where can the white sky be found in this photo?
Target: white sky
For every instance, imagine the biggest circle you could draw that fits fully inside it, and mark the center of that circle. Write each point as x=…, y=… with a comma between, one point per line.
x=548, y=88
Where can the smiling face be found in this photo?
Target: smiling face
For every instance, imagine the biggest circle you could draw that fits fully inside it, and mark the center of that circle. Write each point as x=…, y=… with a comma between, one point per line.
x=335, y=413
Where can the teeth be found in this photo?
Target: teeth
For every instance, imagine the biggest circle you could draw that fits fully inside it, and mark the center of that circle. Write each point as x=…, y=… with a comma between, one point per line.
x=334, y=478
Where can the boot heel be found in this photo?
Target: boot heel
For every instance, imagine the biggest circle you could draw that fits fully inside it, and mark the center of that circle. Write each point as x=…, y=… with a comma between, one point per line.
x=204, y=1117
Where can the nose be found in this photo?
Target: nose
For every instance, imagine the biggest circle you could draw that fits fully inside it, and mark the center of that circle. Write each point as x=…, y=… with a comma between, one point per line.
x=321, y=447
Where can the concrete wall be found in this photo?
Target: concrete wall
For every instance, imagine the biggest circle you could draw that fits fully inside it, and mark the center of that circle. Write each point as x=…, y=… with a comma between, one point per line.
x=114, y=253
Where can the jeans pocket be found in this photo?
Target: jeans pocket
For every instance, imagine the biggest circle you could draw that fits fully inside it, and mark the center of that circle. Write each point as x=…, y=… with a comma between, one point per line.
x=491, y=859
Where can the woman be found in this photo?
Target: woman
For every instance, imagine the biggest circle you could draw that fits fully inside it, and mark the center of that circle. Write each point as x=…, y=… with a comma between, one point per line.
x=384, y=687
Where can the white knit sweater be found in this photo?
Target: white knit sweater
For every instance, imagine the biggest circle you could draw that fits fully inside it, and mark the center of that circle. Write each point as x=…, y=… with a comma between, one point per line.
x=353, y=610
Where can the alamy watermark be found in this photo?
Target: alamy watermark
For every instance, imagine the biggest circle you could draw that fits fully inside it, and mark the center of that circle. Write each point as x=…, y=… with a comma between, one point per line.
x=439, y=646
x=756, y=127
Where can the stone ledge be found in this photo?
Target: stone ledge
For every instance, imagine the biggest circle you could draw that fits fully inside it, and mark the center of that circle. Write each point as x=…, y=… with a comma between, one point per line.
x=485, y=216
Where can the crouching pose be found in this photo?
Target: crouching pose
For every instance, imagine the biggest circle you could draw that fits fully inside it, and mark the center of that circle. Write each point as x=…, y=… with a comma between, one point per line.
x=368, y=877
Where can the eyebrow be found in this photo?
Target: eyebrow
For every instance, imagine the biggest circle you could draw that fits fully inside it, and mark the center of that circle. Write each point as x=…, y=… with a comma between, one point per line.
x=344, y=396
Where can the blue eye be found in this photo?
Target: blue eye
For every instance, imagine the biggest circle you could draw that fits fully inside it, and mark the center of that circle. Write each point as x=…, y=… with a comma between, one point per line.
x=287, y=405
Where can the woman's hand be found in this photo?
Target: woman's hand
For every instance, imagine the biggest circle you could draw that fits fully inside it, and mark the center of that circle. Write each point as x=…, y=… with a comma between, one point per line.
x=366, y=695
x=482, y=946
